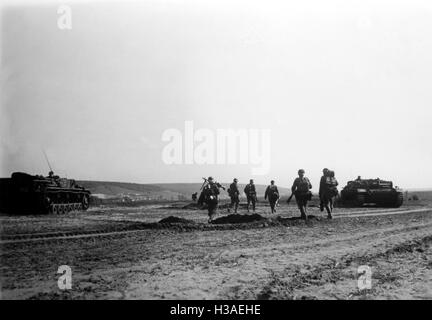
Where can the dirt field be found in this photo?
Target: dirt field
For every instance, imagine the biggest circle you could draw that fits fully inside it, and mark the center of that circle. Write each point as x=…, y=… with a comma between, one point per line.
x=123, y=253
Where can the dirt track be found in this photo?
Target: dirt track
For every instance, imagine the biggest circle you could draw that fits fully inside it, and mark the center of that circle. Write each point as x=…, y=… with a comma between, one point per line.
x=317, y=259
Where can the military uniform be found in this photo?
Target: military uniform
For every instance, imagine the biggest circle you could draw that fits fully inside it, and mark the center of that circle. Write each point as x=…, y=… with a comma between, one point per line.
x=234, y=193
x=322, y=187
x=301, y=189
x=250, y=192
x=210, y=196
x=327, y=191
x=272, y=194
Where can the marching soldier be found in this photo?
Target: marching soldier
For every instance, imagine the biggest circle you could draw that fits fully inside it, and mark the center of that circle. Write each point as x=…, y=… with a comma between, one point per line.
x=234, y=194
x=250, y=192
x=328, y=191
x=333, y=188
x=272, y=194
x=331, y=192
x=322, y=187
x=210, y=196
x=301, y=189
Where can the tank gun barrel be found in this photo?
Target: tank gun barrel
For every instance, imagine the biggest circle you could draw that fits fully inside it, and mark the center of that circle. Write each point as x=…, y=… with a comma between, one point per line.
x=46, y=158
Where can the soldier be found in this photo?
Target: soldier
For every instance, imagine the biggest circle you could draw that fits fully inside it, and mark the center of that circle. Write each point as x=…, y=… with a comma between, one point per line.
x=210, y=195
x=327, y=192
x=250, y=192
x=301, y=189
x=322, y=187
x=273, y=195
x=332, y=184
x=53, y=178
x=194, y=196
x=234, y=194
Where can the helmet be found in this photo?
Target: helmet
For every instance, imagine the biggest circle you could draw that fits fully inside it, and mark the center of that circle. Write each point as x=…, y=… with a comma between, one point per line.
x=301, y=171
x=210, y=178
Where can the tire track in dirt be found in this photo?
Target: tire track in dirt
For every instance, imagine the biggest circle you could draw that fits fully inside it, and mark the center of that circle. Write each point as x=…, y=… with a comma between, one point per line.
x=320, y=265
x=327, y=242
x=23, y=238
x=230, y=264
x=239, y=273
x=380, y=213
x=279, y=287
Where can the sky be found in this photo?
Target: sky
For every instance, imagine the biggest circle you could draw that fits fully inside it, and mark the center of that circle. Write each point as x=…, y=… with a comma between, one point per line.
x=339, y=84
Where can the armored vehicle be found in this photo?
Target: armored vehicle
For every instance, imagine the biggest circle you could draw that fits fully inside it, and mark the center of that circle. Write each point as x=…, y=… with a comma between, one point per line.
x=23, y=193
x=371, y=191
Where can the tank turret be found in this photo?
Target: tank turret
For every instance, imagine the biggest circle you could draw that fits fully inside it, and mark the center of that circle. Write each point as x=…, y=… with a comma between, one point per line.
x=371, y=191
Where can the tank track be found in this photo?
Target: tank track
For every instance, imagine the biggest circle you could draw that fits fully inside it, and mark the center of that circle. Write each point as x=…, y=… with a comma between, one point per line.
x=64, y=208
x=49, y=236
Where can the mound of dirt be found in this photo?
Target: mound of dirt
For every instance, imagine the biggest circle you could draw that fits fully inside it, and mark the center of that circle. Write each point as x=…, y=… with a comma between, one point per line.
x=172, y=219
x=239, y=218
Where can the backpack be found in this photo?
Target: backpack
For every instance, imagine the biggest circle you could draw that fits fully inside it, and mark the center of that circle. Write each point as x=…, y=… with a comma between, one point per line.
x=331, y=181
x=209, y=195
x=331, y=184
x=303, y=186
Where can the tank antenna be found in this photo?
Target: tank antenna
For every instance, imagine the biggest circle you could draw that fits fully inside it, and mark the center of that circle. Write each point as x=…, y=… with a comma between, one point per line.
x=46, y=158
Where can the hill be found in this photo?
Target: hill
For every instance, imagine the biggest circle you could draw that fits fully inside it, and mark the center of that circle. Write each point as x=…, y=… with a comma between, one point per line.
x=161, y=191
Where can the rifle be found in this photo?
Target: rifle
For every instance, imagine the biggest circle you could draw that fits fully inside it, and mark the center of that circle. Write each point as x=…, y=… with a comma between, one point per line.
x=216, y=183
x=202, y=186
x=220, y=186
x=289, y=199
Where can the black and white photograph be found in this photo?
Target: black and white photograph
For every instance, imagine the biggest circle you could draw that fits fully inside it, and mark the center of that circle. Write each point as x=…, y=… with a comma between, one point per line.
x=222, y=150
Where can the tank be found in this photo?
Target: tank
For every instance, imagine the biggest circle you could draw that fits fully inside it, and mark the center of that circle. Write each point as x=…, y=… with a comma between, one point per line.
x=371, y=191
x=23, y=193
